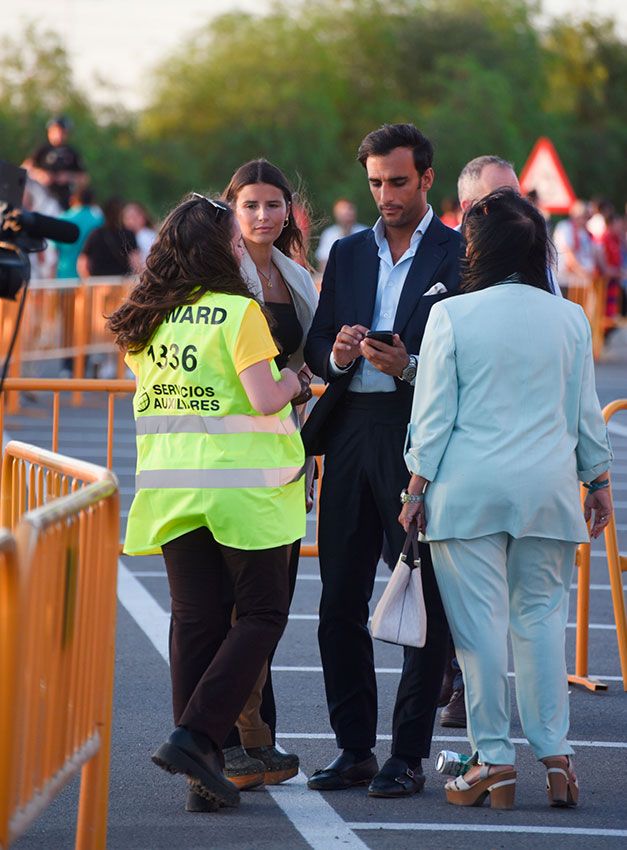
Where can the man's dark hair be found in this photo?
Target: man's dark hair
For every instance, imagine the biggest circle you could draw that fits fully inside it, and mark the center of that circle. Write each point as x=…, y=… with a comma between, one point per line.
x=384, y=140
x=506, y=237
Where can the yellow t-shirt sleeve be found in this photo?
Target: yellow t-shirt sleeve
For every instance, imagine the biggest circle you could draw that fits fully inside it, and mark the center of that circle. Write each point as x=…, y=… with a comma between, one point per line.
x=131, y=362
x=254, y=342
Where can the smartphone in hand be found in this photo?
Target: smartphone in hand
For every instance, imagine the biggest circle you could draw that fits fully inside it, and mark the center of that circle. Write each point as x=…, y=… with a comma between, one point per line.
x=386, y=337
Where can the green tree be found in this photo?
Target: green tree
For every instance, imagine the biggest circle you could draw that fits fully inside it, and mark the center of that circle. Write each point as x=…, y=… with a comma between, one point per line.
x=36, y=82
x=303, y=84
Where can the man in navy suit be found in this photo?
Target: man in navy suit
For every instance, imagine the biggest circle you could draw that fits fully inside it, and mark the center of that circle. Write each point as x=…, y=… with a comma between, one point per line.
x=382, y=279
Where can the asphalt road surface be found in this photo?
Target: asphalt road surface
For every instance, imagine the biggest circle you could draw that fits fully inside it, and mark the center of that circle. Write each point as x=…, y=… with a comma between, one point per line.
x=147, y=805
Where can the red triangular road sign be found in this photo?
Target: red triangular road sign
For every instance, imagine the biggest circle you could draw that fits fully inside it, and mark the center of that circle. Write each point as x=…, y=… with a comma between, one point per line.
x=545, y=173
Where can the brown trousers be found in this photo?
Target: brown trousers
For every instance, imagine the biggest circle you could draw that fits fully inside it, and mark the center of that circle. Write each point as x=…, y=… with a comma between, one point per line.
x=252, y=729
x=214, y=665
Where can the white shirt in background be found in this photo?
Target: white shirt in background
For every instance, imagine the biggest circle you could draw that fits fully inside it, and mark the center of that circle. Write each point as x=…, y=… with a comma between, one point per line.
x=329, y=236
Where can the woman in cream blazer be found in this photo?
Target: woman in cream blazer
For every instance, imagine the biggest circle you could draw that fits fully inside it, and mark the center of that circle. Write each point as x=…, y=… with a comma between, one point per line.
x=505, y=424
x=262, y=201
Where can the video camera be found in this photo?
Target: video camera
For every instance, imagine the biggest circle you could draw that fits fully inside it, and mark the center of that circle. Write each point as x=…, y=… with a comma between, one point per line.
x=23, y=233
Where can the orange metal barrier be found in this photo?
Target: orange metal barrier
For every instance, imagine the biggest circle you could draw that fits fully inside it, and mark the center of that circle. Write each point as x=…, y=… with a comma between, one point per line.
x=9, y=626
x=56, y=386
x=63, y=319
x=57, y=629
x=616, y=565
x=593, y=298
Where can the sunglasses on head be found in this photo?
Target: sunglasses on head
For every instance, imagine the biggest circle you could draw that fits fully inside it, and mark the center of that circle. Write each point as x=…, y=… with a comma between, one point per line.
x=218, y=206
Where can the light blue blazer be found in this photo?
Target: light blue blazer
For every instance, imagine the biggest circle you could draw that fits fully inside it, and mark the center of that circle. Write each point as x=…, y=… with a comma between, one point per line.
x=505, y=418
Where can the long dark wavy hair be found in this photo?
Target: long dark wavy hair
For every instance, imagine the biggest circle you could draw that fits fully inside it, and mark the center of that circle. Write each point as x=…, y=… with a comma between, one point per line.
x=191, y=256
x=290, y=241
x=505, y=236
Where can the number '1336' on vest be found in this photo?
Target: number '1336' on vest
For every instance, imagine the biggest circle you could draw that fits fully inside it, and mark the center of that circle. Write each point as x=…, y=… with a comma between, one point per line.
x=205, y=457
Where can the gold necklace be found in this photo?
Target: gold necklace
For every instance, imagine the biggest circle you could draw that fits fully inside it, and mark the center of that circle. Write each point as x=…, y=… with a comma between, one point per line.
x=266, y=277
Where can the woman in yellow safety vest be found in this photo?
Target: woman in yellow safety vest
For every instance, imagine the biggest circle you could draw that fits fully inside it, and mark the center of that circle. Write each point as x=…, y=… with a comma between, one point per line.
x=263, y=203
x=219, y=476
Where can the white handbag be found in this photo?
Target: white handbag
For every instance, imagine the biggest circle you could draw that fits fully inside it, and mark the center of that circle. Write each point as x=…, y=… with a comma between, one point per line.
x=400, y=616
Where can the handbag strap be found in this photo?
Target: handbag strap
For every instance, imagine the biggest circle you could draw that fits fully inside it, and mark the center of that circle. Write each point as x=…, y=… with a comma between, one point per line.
x=411, y=541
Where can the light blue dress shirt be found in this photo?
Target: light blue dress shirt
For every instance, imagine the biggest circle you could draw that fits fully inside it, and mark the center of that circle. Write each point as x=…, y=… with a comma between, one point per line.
x=505, y=419
x=368, y=379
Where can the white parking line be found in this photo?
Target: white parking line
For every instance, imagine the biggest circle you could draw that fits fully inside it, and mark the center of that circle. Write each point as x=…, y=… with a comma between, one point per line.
x=476, y=827
x=609, y=627
x=315, y=819
x=139, y=591
x=615, y=428
x=282, y=668
x=315, y=577
x=448, y=739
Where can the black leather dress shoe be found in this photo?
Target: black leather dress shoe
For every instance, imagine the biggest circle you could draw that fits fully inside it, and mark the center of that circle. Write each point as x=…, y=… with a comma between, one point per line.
x=395, y=779
x=182, y=753
x=344, y=772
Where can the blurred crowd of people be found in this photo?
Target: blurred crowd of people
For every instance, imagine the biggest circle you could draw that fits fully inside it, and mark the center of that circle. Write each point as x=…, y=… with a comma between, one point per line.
x=590, y=242
x=115, y=236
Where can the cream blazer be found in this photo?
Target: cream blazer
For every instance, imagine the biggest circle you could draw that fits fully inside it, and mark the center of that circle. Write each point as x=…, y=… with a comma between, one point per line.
x=302, y=289
x=506, y=419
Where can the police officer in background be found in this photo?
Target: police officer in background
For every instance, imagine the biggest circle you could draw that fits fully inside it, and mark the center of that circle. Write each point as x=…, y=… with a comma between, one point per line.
x=58, y=165
x=219, y=476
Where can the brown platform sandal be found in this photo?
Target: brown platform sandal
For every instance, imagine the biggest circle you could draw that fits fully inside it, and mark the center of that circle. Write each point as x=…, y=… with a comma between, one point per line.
x=500, y=786
x=562, y=787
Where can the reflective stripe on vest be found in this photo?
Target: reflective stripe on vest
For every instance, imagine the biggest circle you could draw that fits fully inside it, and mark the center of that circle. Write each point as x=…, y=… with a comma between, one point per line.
x=217, y=478
x=238, y=423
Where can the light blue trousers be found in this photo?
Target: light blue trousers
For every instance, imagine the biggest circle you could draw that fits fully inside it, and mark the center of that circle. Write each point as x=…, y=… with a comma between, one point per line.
x=488, y=585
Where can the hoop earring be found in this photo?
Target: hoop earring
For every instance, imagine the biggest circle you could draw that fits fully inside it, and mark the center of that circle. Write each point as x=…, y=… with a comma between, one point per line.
x=286, y=222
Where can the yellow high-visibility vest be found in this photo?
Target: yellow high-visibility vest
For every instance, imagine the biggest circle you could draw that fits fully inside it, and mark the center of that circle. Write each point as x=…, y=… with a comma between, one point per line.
x=205, y=457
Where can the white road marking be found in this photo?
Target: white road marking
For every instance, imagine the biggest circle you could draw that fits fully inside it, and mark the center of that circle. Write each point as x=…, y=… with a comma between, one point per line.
x=315, y=819
x=318, y=822
x=135, y=589
x=283, y=668
x=465, y=827
x=314, y=577
x=615, y=428
x=448, y=739
x=144, y=609
x=610, y=627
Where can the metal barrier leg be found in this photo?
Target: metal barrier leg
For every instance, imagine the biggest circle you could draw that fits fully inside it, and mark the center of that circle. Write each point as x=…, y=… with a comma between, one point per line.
x=80, y=331
x=615, y=570
x=583, y=617
x=91, y=829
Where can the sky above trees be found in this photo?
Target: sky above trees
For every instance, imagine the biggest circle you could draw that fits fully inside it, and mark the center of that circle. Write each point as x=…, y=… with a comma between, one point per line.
x=113, y=44
x=301, y=85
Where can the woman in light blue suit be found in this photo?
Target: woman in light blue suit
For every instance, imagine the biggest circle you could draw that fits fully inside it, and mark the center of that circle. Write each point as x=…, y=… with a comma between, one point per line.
x=505, y=423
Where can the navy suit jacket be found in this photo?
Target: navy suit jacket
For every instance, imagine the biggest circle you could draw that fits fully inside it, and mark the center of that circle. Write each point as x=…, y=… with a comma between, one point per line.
x=349, y=289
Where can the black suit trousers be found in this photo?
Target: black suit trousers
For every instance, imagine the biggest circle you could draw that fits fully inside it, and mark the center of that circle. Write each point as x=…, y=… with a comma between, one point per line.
x=363, y=476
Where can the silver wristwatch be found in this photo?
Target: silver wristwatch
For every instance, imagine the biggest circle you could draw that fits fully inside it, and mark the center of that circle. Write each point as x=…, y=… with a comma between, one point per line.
x=409, y=372
x=411, y=497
